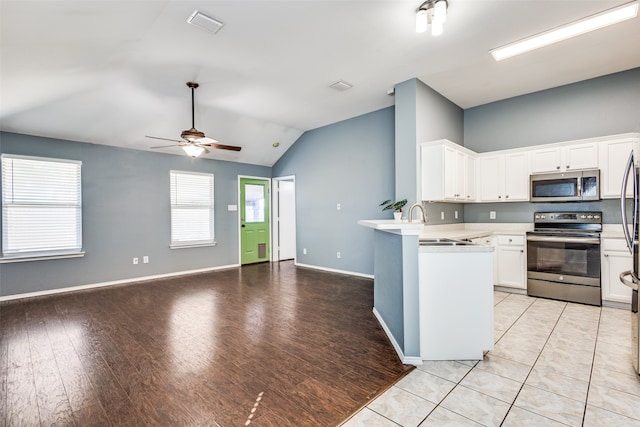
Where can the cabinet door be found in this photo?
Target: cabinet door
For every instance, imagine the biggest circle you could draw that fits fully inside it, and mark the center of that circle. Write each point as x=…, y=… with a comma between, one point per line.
x=614, y=263
x=511, y=267
x=582, y=156
x=490, y=183
x=460, y=178
x=516, y=177
x=450, y=176
x=613, y=158
x=470, y=178
x=546, y=160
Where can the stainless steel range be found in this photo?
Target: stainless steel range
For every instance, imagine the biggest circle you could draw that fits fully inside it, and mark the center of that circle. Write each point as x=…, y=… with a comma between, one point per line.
x=563, y=256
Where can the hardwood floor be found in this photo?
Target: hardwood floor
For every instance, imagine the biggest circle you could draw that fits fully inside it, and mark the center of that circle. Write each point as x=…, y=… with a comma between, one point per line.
x=261, y=345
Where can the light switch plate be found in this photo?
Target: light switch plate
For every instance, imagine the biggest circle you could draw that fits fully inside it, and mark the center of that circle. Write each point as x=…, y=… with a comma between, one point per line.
x=232, y=208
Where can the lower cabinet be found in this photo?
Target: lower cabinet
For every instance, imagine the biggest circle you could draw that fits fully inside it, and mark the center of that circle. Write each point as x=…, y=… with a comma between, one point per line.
x=615, y=259
x=489, y=241
x=512, y=267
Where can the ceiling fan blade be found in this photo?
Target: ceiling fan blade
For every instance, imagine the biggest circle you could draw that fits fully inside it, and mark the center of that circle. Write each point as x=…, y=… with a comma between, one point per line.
x=225, y=147
x=163, y=139
x=167, y=146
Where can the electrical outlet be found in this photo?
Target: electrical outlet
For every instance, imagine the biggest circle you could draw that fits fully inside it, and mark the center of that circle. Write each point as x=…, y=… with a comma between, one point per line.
x=442, y=215
x=338, y=255
x=455, y=214
x=145, y=259
x=304, y=251
x=135, y=261
x=338, y=206
x=492, y=215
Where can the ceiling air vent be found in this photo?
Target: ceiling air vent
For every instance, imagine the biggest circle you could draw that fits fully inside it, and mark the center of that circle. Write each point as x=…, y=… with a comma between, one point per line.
x=204, y=22
x=341, y=86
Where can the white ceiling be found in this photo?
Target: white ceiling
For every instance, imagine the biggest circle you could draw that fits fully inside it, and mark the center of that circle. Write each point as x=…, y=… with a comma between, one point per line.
x=111, y=72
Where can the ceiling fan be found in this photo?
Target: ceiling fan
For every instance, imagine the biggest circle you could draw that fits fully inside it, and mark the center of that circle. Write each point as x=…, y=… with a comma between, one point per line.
x=195, y=142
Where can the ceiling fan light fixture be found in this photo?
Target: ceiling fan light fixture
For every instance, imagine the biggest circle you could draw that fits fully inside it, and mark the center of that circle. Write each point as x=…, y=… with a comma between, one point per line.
x=193, y=150
x=582, y=26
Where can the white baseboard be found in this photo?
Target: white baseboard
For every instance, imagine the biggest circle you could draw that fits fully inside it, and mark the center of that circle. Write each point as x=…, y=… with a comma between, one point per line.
x=112, y=283
x=333, y=270
x=407, y=360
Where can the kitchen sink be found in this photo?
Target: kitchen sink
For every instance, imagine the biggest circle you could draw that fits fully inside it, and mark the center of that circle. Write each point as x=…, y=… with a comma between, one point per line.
x=445, y=242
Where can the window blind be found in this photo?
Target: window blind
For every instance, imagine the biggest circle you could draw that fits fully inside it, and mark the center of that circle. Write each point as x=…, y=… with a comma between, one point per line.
x=191, y=208
x=41, y=206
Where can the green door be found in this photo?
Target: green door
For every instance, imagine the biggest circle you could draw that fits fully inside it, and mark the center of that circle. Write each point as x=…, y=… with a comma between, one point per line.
x=254, y=220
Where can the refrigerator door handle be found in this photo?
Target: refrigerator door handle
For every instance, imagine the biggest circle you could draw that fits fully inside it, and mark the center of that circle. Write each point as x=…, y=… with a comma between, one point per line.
x=623, y=209
x=633, y=283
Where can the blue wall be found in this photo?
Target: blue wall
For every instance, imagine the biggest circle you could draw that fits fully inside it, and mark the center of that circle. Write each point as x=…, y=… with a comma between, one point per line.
x=350, y=163
x=126, y=214
x=598, y=107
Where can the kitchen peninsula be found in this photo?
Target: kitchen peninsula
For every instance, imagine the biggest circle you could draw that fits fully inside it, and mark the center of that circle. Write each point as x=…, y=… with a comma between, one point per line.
x=432, y=296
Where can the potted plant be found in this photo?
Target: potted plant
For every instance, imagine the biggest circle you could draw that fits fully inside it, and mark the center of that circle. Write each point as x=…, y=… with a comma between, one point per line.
x=395, y=206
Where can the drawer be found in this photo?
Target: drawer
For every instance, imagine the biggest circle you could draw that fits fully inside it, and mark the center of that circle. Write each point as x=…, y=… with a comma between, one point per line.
x=511, y=240
x=614, y=245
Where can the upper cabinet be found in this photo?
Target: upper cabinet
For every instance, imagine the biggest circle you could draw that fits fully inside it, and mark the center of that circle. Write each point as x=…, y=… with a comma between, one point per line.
x=504, y=177
x=614, y=155
x=562, y=159
x=452, y=173
x=448, y=172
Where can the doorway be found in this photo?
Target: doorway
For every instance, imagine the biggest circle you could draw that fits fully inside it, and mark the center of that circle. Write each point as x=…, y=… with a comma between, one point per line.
x=254, y=220
x=284, y=218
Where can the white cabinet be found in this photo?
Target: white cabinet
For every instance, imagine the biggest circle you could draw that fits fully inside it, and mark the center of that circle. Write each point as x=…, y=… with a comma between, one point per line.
x=561, y=159
x=504, y=177
x=447, y=172
x=613, y=158
x=615, y=259
x=512, y=267
x=489, y=241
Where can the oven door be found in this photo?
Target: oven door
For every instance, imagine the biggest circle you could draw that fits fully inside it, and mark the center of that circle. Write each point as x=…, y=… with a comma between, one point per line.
x=564, y=259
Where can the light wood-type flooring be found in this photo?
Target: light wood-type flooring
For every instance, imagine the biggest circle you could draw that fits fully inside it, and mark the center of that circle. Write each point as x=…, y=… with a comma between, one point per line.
x=261, y=345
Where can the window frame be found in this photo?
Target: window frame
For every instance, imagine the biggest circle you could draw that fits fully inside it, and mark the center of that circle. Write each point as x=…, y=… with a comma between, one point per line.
x=179, y=244
x=18, y=255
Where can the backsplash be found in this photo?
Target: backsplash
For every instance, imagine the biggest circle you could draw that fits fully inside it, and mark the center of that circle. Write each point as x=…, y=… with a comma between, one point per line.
x=523, y=211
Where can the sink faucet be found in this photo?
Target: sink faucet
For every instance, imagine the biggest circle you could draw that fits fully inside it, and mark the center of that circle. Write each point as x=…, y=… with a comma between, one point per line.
x=417, y=205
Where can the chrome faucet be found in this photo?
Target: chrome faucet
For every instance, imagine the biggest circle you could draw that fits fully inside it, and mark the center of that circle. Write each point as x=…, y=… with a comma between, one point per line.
x=417, y=205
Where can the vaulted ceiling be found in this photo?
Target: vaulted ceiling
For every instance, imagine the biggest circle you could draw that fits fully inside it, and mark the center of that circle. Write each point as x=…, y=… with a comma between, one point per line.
x=111, y=72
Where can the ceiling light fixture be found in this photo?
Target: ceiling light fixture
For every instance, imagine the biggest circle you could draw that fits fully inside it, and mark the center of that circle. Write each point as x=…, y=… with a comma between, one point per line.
x=193, y=150
x=434, y=13
x=591, y=23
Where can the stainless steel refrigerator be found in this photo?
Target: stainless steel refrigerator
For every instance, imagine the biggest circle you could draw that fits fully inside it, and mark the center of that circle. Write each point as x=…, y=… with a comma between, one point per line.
x=631, y=277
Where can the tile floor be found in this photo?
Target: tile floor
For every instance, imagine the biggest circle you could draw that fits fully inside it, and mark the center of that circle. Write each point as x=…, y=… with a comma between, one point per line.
x=554, y=364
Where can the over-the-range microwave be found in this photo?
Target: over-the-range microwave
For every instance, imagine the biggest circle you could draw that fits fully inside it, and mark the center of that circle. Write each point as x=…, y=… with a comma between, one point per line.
x=574, y=186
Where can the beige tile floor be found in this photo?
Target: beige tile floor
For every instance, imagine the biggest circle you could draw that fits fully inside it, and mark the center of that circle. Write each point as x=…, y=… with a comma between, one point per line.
x=554, y=364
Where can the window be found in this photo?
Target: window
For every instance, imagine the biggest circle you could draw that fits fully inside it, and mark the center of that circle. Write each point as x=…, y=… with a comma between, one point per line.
x=191, y=209
x=41, y=207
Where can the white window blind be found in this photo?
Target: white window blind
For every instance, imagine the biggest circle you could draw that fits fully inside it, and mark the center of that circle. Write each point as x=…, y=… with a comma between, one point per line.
x=191, y=208
x=41, y=206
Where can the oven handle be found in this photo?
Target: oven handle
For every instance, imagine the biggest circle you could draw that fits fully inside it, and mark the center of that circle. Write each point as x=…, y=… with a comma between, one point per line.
x=633, y=285
x=585, y=240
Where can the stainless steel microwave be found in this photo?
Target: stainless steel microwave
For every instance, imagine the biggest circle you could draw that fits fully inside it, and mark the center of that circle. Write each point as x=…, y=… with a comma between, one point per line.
x=574, y=186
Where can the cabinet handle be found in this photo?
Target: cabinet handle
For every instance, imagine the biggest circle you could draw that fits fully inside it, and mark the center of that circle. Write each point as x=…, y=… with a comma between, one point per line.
x=510, y=240
x=568, y=167
x=506, y=197
x=499, y=197
x=558, y=167
x=521, y=251
x=606, y=255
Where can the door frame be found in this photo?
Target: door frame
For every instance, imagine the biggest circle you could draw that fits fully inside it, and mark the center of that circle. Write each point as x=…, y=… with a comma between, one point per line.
x=275, y=214
x=239, y=214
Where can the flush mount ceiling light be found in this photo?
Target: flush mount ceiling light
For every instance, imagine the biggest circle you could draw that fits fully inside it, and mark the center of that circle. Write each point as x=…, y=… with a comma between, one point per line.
x=204, y=22
x=591, y=23
x=434, y=13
